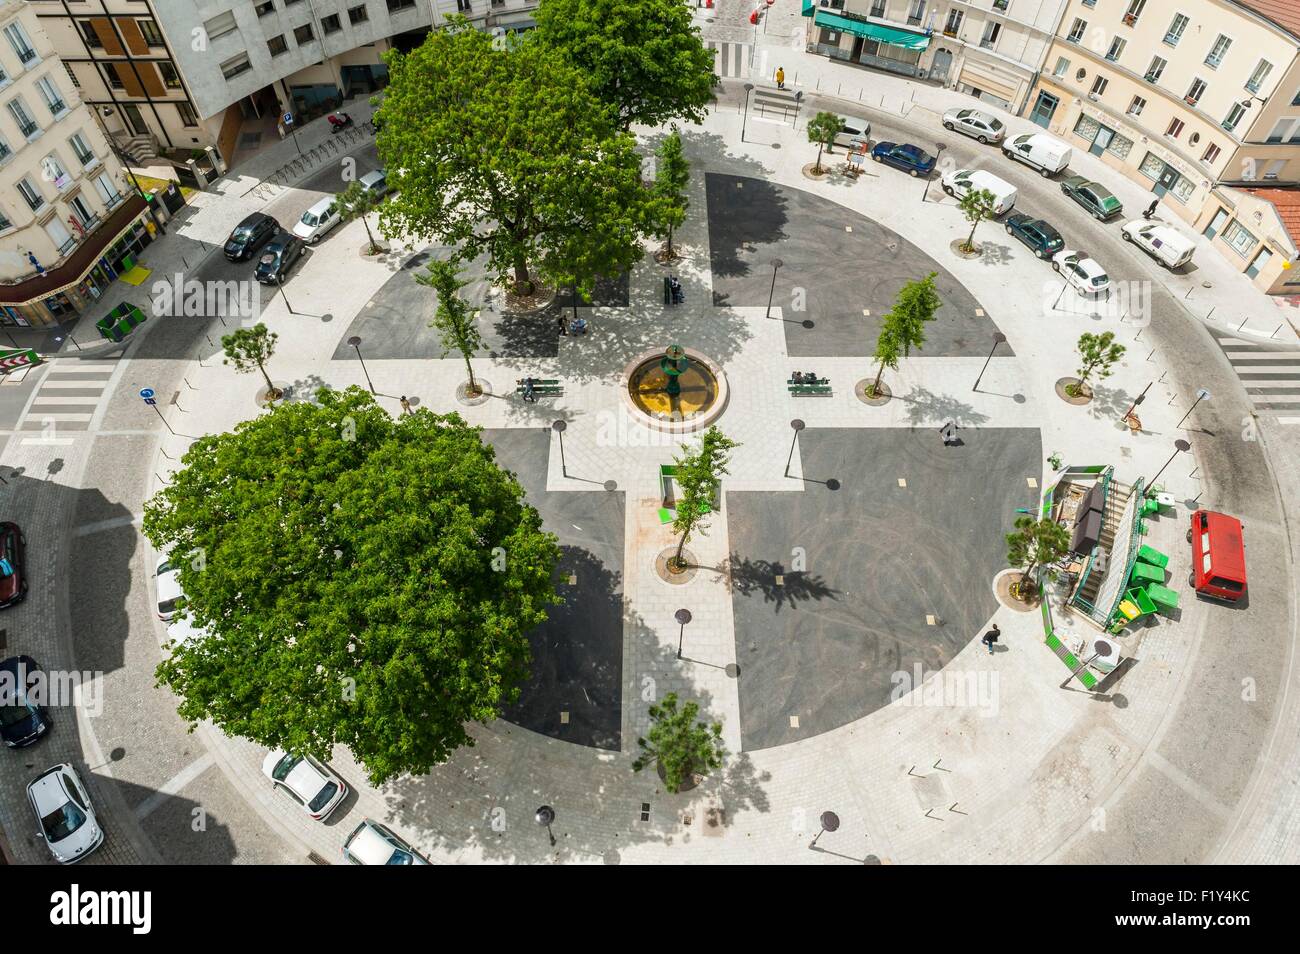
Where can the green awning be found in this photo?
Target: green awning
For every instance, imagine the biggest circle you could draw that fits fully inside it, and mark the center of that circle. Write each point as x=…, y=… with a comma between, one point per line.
x=904, y=38
x=808, y=7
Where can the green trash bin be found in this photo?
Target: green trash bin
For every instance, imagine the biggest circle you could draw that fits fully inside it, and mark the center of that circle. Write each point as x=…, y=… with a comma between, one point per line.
x=1146, y=573
x=119, y=322
x=1149, y=554
x=1163, y=597
x=1141, y=600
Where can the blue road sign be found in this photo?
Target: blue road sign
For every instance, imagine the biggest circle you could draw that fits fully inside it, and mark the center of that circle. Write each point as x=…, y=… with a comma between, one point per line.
x=146, y=393
x=288, y=119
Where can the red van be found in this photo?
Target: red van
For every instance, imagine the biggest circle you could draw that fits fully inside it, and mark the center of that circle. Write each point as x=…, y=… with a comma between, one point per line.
x=1218, y=556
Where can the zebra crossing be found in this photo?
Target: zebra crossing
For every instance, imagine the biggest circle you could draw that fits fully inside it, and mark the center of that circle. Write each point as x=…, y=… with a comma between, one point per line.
x=1270, y=375
x=731, y=60
x=66, y=399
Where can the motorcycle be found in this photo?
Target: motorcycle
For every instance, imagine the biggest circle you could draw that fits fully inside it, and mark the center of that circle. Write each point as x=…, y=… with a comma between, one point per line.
x=339, y=121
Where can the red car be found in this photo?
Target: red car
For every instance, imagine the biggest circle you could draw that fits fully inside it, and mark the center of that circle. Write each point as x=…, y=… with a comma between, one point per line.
x=1218, y=556
x=13, y=581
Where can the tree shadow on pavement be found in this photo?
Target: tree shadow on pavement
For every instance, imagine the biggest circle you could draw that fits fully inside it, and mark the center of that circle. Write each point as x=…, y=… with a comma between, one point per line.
x=750, y=576
x=927, y=407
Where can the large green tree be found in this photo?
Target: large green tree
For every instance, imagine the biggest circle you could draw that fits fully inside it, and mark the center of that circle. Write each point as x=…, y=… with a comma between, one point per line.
x=1036, y=543
x=357, y=202
x=643, y=57
x=503, y=150
x=680, y=744
x=1098, y=354
x=672, y=176
x=822, y=130
x=363, y=580
x=249, y=349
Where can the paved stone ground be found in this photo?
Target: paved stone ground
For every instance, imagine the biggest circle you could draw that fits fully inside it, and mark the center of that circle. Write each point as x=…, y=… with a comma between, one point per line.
x=838, y=263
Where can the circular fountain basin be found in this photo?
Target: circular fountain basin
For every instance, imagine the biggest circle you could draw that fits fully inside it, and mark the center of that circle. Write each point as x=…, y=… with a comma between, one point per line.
x=701, y=397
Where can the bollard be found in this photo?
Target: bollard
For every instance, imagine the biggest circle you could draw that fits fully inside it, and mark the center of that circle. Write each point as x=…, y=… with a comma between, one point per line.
x=1153, y=351
x=1243, y=323
x=1276, y=330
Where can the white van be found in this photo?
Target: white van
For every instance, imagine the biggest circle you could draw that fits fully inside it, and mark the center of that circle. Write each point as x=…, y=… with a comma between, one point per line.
x=1038, y=151
x=1166, y=245
x=961, y=181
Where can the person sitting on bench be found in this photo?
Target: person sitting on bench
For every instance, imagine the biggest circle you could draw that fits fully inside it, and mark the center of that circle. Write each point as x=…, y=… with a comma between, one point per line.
x=530, y=396
x=675, y=287
x=810, y=377
x=797, y=378
x=578, y=326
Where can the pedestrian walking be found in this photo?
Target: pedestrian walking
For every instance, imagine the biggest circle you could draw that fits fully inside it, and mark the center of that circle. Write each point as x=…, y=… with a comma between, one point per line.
x=1151, y=209
x=564, y=328
x=406, y=406
x=780, y=77
x=991, y=637
x=949, y=433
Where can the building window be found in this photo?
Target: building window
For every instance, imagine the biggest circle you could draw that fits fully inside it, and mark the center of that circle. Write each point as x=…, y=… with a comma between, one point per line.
x=914, y=13
x=1077, y=30
x=877, y=8
x=1217, y=52
x=1195, y=91
x=953, y=25
x=1176, y=28
x=33, y=198
x=187, y=114
x=112, y=76
x=26, y=125
x=277, y=45
x=1175, y=129
x=1240, y=238
x=1116, y=48
x=1135, y=108
x=149, y=30
x=21, y=43
x=220, y=25
x=1234, y=116
x=235, y=65
x=265, y=9
x=1120, y=146
x=71, y=75
x=107, y=191
x=1099, y=86
x=991, y=33
x=89, y=35
x=1274, y=169
x=395, y=5
x=52, y=171
x=5, y=152
x=358, y=14
x=53, y=98
x=1257, y=78
x=1134, y=11
x=1062, y=64
x=1211, y=153
x=330, y=24
x=303, y=34
x=171, y=79
x=5, y=224
x=1286, y=130
x=81, y=150
x=1157, y=67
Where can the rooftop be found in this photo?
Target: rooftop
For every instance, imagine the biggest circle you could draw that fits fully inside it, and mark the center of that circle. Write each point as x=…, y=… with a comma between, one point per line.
x=1285, y=13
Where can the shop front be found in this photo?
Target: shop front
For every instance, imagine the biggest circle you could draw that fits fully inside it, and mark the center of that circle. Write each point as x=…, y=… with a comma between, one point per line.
x=842, y=36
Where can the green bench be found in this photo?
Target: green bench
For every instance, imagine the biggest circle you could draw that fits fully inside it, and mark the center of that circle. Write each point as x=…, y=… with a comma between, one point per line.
x=808, y=390
x=791, y=381
x=551, y=386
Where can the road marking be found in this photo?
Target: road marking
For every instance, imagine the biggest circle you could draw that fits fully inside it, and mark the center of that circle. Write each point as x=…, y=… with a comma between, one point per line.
x=174, y=785
x=53, y=416
x=48, y=440
x=42, y=401
x=110, y=524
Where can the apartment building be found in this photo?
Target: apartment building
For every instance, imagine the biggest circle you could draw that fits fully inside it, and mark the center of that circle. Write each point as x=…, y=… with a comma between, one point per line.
x=68, y=223
x=1199, y=100
x=990, y=49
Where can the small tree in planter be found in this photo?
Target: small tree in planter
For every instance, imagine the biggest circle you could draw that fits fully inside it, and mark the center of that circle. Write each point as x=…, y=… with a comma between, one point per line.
x=698, y=477
x=454, y=317
x=356, y=202
x=903, y=326
x=250, y=348
x=977, y=205
x=887, y=353
x=672, y=176
x=1097, y=355
x=821, y=130
x=679, y=744
x=1035, y=543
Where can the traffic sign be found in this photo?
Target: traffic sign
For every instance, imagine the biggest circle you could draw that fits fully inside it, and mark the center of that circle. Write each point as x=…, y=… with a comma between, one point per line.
x=288, y=119
x=146, y=393
x=1202, y=394
x=9, y=360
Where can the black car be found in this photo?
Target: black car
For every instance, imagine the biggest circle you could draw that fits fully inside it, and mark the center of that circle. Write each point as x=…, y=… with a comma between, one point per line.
x=250, y=235
x=277, y=258
x=13, y=569
x=1041, y=238
x=22, y=721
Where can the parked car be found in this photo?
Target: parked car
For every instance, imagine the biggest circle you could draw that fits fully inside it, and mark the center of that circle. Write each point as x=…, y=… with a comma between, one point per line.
x=168, y=584
x=250, y=235
x=1041, y=238
x=972, y=122
x=13, y=567
x=184, y=630
x=1093, y=196
x=913, y=160
x=962, y=181
x=1049, y=156
x=1218, y=556
x=372, y=844
x=318, y=220
x=278, y=258
x=312, y=785
x=376, y=183
x=68, y=822
x=1166, y=245
x=22, y=721
x=1081, y=273
x=853, y=132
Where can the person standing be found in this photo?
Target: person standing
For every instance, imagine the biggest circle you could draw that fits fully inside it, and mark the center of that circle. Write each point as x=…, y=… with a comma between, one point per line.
x=559, y=320
x=1151, y=209
x=406, y=406
x=780, y=77
x=991, y=637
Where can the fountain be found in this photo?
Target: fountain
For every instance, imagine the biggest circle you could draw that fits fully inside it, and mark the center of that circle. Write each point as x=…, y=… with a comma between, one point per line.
x=675, y=390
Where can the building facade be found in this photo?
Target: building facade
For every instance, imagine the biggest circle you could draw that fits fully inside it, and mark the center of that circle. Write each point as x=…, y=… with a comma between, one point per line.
x=1191, y=99
x=69, y=226
x=990, y=49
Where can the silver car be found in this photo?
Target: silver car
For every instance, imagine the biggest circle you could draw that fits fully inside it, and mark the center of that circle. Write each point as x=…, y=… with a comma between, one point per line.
x=316, y=789
x=973, y=123
x=68, y=822
x=317, y=220
x=376, y=183
x=853, y=132
x=372, y=844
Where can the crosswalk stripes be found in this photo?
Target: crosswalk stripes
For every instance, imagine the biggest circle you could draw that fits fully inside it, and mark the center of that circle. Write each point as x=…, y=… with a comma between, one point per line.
x=66, y=398
x=731, y=60
x=1270, y=375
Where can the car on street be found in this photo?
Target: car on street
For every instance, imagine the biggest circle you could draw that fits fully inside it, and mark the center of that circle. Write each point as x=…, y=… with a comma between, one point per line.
x=853, y=132
x=318, y=220
x=372, y=844
x=1041, y=238
x=1081, y=273
x=961, y=182
x=973, y=123
x=67, y=818
x=376, y=183
x=13, y=567
x=312, y=785
x=167, y=579
x=1093, y=196
x=278, y=258
x=22, y=721
x=250, y=235
x=1166, y=245
x=913, y=160
x=184, y=630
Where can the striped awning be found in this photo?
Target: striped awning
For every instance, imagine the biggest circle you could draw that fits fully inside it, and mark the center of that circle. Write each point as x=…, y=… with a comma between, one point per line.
x=873, y=31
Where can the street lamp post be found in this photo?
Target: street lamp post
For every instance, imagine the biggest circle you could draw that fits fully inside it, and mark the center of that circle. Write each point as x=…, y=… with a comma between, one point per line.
x=280, y=282
x=355, y=341
x=559, y=427
x=1201, y=395
x=797, y=426
x=776, y=264
x=545, y=817
x=1136, y=401
x=998, y=338
x=939, y=147
x=749, y=88
x=1180, y=445
x=829, y=822
x=683, y=616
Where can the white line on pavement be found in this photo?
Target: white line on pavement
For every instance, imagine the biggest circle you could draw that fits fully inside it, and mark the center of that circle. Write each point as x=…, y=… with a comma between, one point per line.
x=174, y=785
x=45, y=399
x=89, y=528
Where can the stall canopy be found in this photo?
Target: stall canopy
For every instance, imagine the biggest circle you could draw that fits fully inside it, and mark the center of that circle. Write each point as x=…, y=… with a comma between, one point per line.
x=873, y=31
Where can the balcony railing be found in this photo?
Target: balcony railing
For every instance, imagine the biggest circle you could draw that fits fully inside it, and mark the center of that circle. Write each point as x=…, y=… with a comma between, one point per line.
x=28, y=128
x=67, y=246
x=986, y=44
x=113, y=201
x=33, y=202
x=1173, y=38
x=950, y=31
x=5, y=153
x=58, y=107
x=1152, y=77
x=914, y=21
x=1229, y=124
x=1130, y=19
x=26, y=55
x=1213, y=61
x=1253, y=85
x=88, y=222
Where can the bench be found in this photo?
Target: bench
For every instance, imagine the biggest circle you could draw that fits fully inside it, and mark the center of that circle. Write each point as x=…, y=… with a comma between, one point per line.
x=790, y=381
x=550, y=386
x=810, y=390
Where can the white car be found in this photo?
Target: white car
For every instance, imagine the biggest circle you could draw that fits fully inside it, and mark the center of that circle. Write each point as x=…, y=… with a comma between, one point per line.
x=1082, y=273
x=973, y=123
x=317, y=221
x=372, y=844
x=68, y=822
x=1166, y=245
x=182, y=631
x=312, y=785
x=169, y=589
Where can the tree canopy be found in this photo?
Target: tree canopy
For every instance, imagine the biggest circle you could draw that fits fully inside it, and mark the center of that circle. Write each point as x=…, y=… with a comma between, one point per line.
x=681, y=745
x=362, y=581
x=644, y=58
x=503, y=149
